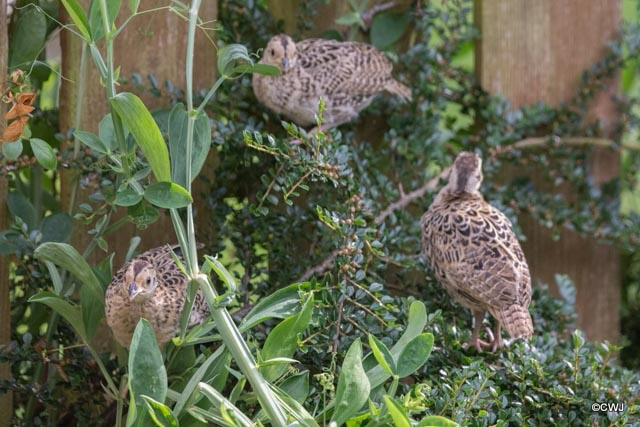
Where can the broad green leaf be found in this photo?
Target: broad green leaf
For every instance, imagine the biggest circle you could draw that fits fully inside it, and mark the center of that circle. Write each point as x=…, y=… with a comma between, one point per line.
x=44, y=154
x=56, y=280
x=12, y=150
x=56, y=228
x=160, y=413
x=283, y=339
x=142, y=215
x=436, y=421
x=107, y=134
x=91, y=293
x=295, y=409
x=417, y=322
x=133, y=6
x=12, y=242
x=78, y=17
x=21, y=207
x=28, y=37
x=91, y=141
x=353, y=385
x=297, y=386
x=70, y=312
x=414, y=355
x=177, y=129
x=382, y=355
x=281, y=304
x=387, y=28
x=167, y=195
x=397, y=413
x=128, y=197
x=230, y=56
x=145, y=131
x=225, y=407
x=214, y=366
x=147, y=374
x=264, y=69
x=95, y=17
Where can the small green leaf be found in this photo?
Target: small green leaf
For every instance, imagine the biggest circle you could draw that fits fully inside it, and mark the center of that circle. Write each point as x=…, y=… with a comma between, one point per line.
x=91, y=141
x=91, y=293
x=283, y=339
x=128, y=197
x=12, y=150
x=353, y=385
x=145, y=131
x=160, y=413
x=414, y=355
x=142, y=214
x=133, y=6
x=95, y=17
x=297, y=386
x=56, y=228
x=436, y=421
x=167, y=195
x=147, y=374
x=22, y=208
x=417, y=322
x=28, y=37
x=382, y=355
x=70, y=312
x=398, y=415
x=78, y=17
x=263, y=69
x=177, y=129
x=229, y=57
x=281, y=304
x=387, y=28
x=44, y=154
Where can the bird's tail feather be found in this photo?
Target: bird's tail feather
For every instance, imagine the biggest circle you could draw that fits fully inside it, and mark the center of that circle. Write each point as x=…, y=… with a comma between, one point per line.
x=397, y=88
x=517, y=321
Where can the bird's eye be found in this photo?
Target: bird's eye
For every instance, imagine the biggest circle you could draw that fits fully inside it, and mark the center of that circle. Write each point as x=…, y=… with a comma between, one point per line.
x=272, y=52
x=148, y=280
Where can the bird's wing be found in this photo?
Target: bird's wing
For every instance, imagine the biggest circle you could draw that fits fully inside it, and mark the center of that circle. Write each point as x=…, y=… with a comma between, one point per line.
x=352, y=68
x=480, y=256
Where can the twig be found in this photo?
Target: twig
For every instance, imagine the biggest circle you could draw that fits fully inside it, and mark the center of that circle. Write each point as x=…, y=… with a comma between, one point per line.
x=336, y=339
x=432, y=184
x=320, y=268
x=367, y=17
x=410, y=197
x=362, y=307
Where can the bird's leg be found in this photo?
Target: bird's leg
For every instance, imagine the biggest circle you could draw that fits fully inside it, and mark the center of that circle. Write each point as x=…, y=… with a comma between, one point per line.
x=496, y=340
x=475, y=341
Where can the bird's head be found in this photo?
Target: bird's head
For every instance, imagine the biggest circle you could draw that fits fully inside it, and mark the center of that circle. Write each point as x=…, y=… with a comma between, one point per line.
x=466, y=174
x=280, y=52
x=140, y=281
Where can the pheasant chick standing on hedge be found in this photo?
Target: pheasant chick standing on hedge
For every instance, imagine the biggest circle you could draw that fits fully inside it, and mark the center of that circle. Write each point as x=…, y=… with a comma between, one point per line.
x=153, y=287
x=476, y=255
x=347, y=75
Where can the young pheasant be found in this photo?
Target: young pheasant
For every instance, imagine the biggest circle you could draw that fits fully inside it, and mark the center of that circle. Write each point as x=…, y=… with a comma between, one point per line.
x=150, y=286
x=476, y=255
x=347, y=75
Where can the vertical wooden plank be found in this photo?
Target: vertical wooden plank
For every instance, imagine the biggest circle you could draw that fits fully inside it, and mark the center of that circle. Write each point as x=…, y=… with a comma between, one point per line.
x=533, y=51
x=6, y=400
x=153, y=43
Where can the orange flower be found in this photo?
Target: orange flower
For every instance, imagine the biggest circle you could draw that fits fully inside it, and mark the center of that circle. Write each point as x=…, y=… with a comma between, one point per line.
x=14, y=130
x=18, y=110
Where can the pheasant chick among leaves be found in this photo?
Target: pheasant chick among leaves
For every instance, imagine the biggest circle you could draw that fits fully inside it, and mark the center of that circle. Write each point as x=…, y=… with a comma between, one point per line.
x=476, y=256
x=347, y=75
x=153, y=287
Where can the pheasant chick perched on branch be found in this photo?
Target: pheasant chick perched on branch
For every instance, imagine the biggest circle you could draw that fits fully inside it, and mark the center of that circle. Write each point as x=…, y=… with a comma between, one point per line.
x=476, y=255
x=347, y=75
x=153, y=287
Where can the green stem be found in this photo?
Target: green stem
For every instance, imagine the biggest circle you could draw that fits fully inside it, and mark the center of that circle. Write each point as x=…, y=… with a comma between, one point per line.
x=241, y=354
x=227, y=328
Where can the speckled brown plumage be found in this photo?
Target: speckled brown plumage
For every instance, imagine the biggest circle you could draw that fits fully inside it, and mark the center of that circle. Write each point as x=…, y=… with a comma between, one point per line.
x=150, y=286
x=476, y=256
x=347, y=75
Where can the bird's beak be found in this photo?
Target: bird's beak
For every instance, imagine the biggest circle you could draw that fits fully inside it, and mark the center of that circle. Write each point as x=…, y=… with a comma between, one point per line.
x=286, y=64
x=132, y=290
